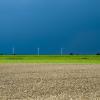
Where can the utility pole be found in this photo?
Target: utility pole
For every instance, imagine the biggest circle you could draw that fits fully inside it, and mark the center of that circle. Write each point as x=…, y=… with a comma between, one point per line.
x=13, y=51
x=38, y=49
x=61, y=51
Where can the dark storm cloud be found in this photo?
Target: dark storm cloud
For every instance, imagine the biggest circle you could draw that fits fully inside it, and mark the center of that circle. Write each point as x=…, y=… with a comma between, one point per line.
x=71, y=24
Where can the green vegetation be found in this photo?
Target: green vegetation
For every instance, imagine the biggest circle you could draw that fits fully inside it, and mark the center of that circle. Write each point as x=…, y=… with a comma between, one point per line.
x=87, y=59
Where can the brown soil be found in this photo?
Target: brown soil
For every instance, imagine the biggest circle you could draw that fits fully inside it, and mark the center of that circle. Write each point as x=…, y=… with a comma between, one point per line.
x=49, y=82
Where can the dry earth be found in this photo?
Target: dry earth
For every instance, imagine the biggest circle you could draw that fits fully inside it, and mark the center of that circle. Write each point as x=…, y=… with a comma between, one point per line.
x=49, y=82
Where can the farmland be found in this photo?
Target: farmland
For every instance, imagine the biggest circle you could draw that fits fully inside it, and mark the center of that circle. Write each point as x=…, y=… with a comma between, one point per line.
x=82, y=59
x=31, y=81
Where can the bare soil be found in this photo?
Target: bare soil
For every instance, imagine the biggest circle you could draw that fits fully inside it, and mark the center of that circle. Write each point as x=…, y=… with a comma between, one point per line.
x=49, y=81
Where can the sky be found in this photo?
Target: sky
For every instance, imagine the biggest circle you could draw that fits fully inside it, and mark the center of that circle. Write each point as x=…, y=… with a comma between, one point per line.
x=73, y=25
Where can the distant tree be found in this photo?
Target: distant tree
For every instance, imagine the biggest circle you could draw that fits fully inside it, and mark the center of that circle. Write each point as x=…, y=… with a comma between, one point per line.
x=14, y=54
x=98, y=53
x=71, y=54
x=1, y=54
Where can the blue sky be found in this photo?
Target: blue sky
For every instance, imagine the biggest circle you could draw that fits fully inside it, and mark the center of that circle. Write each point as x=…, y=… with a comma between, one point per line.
x=70, y=24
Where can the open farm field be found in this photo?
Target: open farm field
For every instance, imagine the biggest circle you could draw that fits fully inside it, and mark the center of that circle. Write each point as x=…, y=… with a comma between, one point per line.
x=20, y=81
